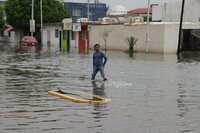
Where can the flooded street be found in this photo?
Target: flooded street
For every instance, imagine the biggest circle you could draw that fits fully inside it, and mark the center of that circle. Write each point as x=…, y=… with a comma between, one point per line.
x=152, y=93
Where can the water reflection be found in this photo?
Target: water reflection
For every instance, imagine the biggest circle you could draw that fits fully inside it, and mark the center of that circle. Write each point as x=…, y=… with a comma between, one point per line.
x=189, y=56
x=187, y=102
x=100, y=110
x=132, y=55
x=188, y=91
x=98, y=89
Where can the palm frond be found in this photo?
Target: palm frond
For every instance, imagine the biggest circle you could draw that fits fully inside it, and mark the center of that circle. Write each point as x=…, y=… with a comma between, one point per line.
x=131, y=41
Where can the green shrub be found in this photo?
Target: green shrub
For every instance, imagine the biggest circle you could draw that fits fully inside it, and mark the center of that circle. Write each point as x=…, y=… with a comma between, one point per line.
x=131, y=41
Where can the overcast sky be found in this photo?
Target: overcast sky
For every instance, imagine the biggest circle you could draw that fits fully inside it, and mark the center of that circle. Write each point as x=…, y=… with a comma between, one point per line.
x=128, y=4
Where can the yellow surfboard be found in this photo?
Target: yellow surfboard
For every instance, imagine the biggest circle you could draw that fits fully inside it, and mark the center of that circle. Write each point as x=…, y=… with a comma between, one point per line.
x=79, y=97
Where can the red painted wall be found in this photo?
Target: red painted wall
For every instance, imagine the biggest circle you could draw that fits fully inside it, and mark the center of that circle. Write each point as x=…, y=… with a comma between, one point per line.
x=84, y=39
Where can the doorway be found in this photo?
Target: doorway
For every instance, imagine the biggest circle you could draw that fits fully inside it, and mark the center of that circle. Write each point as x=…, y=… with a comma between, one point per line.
x=190, y=40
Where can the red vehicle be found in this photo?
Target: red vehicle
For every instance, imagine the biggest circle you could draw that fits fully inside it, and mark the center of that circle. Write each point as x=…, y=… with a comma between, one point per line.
x=29, y=41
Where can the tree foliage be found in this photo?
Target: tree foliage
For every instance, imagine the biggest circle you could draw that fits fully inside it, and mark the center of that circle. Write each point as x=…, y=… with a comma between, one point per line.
x=2, y=15
x=18, y=12
x=146, y=17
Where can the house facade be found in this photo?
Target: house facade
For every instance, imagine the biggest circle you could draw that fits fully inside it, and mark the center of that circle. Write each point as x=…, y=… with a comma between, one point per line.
x=51, y=36
x=75, y=39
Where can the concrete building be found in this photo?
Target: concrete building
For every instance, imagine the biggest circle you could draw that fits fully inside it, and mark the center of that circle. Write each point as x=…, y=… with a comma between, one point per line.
x=170, y=12
x=51, y=37
x=140, y=12
x=51, y=33
x=82, y=10
x=115, y=15
x=74, y=39
x=117, y=11
x=10, y=35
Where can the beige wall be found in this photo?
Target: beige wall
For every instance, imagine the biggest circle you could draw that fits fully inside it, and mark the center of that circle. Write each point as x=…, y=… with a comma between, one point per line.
x=118, y=34
x=156, y=36
x=163, y=36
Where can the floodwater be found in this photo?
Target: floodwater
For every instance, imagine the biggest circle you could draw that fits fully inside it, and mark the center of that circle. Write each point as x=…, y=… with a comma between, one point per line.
x=151, y=93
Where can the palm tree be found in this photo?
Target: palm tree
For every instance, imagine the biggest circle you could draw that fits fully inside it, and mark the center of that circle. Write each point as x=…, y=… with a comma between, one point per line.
x=131, y=41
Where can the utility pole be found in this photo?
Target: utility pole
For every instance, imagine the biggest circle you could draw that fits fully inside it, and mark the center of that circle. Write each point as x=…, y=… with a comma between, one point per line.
x=41, y=21
x=32, y=15
x=180, y=28
x=147, y=30
x=88, y=10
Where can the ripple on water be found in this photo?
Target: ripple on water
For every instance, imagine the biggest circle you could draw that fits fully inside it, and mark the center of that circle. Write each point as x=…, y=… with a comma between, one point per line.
x=163, y=95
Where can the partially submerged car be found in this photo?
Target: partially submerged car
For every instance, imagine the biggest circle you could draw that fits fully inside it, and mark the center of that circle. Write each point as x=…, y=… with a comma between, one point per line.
x=29, y=41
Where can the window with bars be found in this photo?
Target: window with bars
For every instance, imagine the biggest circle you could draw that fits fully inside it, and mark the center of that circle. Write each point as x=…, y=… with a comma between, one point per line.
x=76, y=13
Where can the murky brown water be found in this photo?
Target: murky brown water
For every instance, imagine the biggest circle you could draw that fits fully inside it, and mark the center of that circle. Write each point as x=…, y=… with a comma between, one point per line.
x=151, y=93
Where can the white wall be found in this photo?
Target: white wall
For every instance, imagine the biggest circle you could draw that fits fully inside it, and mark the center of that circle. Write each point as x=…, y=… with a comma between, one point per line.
x=54, y=42
x=53, y=39
x=13, y=39
x=157, y=13
x=171, y=38
x=172, y=12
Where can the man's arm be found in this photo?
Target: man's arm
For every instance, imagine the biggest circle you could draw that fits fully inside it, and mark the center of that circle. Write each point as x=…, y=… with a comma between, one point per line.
x=105, y=59
x=93, y=60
